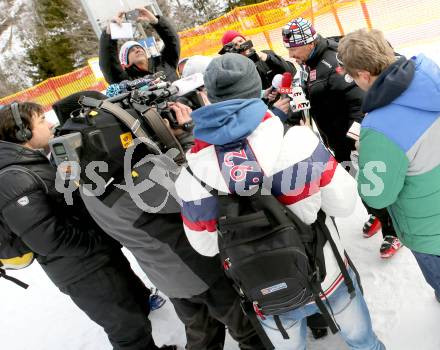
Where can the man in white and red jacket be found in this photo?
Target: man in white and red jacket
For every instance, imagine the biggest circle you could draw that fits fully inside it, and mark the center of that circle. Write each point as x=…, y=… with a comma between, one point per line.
x=240, y=144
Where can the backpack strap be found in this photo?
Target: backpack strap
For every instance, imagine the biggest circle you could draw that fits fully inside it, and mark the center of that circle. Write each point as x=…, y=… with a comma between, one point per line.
x=347, y=279
x=325, y=312
x=280, y=327
x=12, y=279
x=208, y=188
x=252, y=316
x=151, y=116
x=353, y=267
x=121, y=114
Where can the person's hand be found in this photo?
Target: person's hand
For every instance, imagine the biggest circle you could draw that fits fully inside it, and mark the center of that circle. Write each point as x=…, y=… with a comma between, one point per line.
x=147, y=16
x=118, y=19
x=262, y=55
x=270, y=94
x=283, y=104
x=183, y=116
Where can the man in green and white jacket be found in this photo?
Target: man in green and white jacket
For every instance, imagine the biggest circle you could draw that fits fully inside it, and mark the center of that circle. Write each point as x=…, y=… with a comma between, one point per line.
x=399, y=160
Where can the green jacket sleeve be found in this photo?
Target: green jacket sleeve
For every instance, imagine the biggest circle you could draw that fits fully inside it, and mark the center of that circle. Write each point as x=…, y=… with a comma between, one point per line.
x=382, y=169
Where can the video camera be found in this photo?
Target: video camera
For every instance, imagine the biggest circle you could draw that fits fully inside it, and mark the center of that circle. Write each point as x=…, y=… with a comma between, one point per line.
x=247, y=45
x=230, y=47
x=95, y=128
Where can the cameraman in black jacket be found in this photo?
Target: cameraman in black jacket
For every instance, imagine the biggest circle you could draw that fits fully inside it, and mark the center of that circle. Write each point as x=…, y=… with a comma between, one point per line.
x=77, y=256
x=335, y=98
x=267, y=62
x=133, y=62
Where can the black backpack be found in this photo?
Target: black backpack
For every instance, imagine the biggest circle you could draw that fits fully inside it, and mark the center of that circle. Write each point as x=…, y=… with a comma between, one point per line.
x=275, y=260
x=14, y=254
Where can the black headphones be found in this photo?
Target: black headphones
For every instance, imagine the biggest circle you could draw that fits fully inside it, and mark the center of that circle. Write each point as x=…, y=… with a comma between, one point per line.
x=23, y=134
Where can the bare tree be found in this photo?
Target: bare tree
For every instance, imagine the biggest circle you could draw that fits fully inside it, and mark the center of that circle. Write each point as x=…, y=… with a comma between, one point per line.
x=189, y=14
x=14, y=27
x=165, y=7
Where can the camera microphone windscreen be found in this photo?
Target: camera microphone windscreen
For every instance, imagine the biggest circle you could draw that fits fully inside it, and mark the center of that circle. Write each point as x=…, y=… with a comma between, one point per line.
x=189, y=83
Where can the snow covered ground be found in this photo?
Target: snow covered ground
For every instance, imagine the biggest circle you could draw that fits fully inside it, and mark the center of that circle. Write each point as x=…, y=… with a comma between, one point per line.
x=404, y=312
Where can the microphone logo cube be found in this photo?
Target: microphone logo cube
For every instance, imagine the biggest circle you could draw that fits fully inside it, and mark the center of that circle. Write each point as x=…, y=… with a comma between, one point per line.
x=285, y=90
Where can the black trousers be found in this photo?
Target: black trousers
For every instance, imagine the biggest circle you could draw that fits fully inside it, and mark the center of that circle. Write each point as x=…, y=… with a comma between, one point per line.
x=206, y=315
x=343, y=155
x=385, y=220
x=116, y=299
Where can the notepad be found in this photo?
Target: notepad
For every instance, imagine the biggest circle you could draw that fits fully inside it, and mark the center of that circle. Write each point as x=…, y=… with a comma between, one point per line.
x=123, y=31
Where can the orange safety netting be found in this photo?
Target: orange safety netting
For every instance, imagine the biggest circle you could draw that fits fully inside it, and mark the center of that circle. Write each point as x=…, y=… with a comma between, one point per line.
x=54, y=89
x=258, y=23
x=404, y=22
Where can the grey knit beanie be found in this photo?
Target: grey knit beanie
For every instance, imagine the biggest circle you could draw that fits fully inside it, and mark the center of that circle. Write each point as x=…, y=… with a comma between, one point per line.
x=232, y=76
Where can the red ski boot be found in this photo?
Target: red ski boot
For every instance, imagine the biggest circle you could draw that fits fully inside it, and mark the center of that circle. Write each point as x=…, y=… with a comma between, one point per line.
x=371, y=226
x=389, y=247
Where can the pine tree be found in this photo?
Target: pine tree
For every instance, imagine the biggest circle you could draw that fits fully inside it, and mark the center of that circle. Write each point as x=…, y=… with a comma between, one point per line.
x=64, y=39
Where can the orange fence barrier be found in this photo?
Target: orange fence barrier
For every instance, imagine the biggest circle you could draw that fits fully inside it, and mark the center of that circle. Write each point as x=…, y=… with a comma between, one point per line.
x=405, y=23
x=54, y=89
x=261, y=23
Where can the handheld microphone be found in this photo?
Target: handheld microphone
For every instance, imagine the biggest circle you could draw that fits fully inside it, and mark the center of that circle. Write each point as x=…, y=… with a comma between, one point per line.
x=286, y=85
x=299, y=105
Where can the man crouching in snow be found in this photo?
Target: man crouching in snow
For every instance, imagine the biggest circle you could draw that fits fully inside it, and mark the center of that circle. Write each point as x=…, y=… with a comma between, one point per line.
x=239, y=145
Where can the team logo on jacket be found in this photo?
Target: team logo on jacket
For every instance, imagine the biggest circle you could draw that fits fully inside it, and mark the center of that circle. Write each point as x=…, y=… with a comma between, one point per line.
x=237, y=172
x=239, y=167
x=23, y=201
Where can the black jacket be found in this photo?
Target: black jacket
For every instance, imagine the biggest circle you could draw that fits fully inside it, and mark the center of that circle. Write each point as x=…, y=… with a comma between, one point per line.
x=167, y=61
x=335, y=98
x=273, y=65
x=68, y=243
